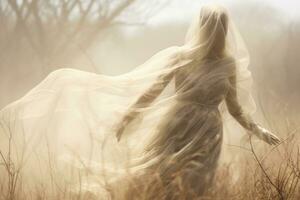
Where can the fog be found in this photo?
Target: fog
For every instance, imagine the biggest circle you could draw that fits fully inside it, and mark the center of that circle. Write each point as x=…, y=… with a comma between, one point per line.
x=114, y=37
x=269, y=28
x=271, y=31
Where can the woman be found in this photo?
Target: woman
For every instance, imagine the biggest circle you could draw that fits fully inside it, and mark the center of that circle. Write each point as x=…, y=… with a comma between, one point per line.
x=188, y=140
x=171, y=135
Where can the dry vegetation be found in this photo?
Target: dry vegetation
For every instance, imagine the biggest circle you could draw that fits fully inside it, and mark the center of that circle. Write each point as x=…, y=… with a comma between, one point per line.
x=260, y=172
x=264, y=173
x=38, y=36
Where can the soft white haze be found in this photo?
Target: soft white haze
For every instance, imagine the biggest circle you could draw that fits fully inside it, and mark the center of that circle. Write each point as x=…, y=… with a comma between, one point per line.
x=263, y=24
x=65, y=106
x=270, y=30
x=255, y=19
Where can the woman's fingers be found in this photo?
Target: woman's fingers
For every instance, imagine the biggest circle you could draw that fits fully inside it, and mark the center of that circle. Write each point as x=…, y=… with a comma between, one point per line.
x=119, y=133
x=274, y=140
x=266, y=135
x=119, y=128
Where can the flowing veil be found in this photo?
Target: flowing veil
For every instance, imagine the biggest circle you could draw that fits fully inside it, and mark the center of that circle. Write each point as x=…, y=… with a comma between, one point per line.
x=67, y=122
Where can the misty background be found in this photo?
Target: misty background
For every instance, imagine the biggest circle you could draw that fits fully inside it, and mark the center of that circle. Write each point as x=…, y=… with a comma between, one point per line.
x=114, y=36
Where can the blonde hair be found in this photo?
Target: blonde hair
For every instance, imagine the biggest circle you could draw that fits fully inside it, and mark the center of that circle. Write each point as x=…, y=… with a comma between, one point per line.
x=207, y=34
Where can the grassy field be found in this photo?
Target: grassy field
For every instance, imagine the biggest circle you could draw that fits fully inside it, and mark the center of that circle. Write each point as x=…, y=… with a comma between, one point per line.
x=258, y=171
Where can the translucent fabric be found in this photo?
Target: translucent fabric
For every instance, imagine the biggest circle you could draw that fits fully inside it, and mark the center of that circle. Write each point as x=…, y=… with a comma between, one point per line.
x=174, y=106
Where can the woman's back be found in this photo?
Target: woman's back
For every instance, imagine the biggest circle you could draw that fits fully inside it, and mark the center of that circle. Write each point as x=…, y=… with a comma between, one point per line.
x=204, y=82
x=187, y=142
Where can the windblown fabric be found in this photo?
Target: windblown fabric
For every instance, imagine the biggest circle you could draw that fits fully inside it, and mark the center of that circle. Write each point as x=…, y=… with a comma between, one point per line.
x=62, y=133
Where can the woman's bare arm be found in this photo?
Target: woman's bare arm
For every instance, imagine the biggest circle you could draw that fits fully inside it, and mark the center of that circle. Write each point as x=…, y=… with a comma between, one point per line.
x=154, y=91
x=233, y=105
x=246, y=121
x=149, y=95
x=144, y=100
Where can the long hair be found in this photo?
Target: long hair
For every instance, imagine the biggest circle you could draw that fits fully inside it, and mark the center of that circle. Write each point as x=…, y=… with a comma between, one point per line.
x=77, y=110
x=206, y=37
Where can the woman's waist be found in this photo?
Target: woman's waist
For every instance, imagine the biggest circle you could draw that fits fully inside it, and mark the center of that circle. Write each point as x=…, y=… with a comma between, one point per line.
x=210, y=105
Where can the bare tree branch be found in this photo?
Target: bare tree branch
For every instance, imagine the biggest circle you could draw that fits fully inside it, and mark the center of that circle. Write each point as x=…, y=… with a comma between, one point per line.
x=51, y=28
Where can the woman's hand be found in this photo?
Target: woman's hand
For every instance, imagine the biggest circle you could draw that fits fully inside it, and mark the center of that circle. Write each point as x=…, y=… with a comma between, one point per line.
x=119, y=132
x=123, y=124
x=265, y=135
x=120, y=129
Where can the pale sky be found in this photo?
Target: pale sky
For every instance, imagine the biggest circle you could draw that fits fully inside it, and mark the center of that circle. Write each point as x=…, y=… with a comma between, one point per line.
x=255, y=19
x=184, y=10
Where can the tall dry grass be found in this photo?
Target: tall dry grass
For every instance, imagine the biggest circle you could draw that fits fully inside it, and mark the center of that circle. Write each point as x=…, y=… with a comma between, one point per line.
x=261, y=172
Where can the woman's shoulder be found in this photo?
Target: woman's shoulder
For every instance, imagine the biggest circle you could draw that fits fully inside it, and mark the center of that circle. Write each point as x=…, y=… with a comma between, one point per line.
x=63, y=72
x=71, y=75
x=229, y=62
x=228, y=59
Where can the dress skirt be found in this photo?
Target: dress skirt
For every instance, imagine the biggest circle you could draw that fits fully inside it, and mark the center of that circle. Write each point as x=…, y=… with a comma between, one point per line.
x=180, y=160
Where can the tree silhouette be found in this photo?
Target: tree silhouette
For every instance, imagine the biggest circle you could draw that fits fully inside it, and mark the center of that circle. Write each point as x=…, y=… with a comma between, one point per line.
x=49, y=27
